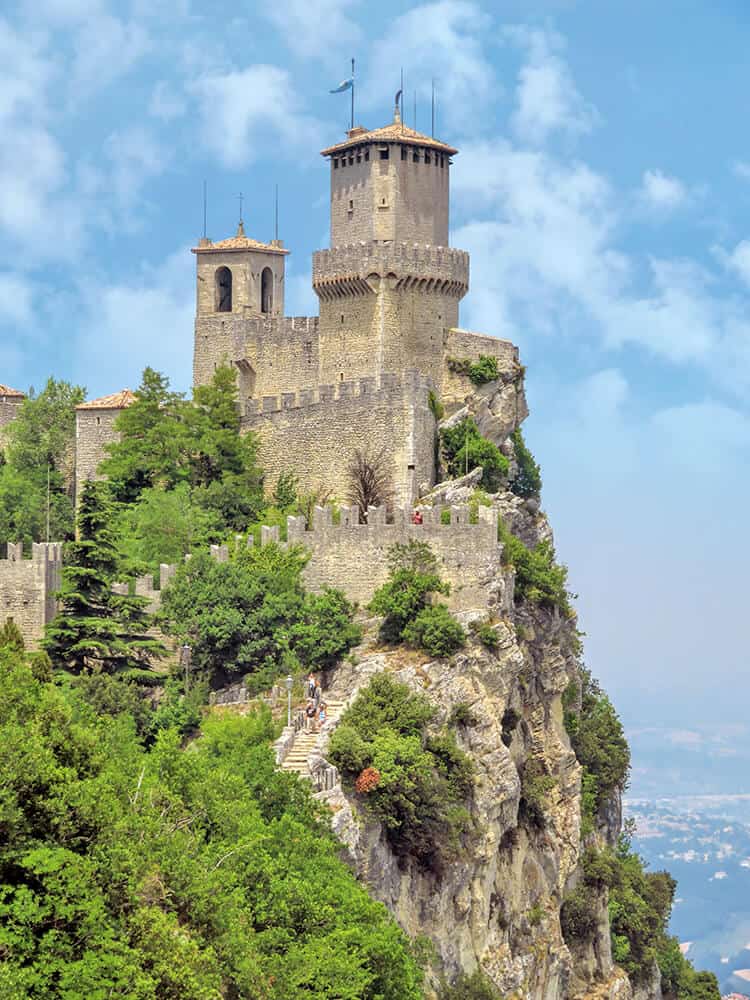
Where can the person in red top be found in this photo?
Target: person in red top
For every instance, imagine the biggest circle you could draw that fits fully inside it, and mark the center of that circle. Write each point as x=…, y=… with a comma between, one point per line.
x=416, y=517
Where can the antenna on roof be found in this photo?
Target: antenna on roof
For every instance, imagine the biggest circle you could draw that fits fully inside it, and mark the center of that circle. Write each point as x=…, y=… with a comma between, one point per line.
x=432, y=133
x=276, y=214
x=241, y=226
x=205, y=214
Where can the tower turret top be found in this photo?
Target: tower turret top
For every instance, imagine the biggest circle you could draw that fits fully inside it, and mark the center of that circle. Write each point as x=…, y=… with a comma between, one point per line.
x=239, y=242
x=395, y=132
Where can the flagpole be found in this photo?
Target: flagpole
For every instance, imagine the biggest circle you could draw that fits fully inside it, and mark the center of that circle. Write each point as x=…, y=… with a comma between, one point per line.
x=352, y=124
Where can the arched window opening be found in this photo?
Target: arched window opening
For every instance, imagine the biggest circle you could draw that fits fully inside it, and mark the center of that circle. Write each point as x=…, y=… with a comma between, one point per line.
x=266, y=290
x=223, y=290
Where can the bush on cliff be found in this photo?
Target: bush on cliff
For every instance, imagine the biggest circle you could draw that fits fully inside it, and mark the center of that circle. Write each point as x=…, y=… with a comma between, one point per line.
x=528, y=480
x=173, y=874
x=474, y=987
x=465, y=449
x=405, y=601
x=251, y=616
x=424, y=779
x=539, y=579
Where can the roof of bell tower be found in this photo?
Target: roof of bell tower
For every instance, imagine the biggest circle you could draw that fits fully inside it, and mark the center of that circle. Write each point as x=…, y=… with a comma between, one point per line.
x=239, y=242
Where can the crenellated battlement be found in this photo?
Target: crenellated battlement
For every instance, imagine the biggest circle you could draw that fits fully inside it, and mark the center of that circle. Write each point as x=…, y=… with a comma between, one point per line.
x=351, y=269
x=28, y=587
x=367, y=390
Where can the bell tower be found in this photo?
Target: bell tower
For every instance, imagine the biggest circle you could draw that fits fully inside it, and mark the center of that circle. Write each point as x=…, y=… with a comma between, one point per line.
x=236, y=279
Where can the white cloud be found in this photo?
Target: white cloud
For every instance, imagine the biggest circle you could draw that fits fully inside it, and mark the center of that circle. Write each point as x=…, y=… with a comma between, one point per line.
x=659, y=190
x=15, y=299
x=105, y=48
x=738, y=261
x=315, y=29
x=146, y=320
x=442, y=40
x=245, y=114
x=165, y=104
x=742, y=169
x=134, y=155
x=547, y=98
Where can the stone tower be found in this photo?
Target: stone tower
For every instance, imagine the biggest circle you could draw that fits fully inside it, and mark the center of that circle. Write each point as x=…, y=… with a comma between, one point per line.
x=389, y=286
x=237, y=278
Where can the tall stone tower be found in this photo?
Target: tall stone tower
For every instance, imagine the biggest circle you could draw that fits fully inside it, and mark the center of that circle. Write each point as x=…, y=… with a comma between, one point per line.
x=389, y=286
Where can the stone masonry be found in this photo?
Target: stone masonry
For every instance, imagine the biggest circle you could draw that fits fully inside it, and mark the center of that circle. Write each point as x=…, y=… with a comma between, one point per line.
x=10, y=400
x=95, y=429
x=360, y=375
x=28, y=588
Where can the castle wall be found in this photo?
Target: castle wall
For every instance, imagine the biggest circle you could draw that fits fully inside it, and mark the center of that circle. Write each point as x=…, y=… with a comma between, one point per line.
x=315, y=433
x=353, y=556
x=8, y=412
x=461, y=344
x=28, y=588
x=95, y=429
x=246, y=268
x=273, y=355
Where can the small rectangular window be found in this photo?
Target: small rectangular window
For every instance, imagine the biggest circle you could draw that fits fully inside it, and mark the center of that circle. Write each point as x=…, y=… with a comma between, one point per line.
x=335, y=163
x=384, y=153
x=359, y=156
x=427, y=156
x=351, y=159
x=415, y=156
x=404, y=153
x=367, y=155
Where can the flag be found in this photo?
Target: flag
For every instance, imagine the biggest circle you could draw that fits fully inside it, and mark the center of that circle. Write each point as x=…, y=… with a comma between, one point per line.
x=344, y=85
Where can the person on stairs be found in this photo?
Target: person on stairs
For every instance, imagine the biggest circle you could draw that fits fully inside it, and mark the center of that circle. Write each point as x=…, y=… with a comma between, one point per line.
x=310, y=714
x=322, y=715
x=311, y=685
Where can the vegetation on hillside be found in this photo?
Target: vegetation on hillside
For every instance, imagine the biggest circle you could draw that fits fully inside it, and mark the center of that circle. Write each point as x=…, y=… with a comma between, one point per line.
x=172, y=875
x=36, y=466
x=464, y=449
x=539, y=579
x=483, y=370
x=528, y=481
x=406, y=602
x=414, y=780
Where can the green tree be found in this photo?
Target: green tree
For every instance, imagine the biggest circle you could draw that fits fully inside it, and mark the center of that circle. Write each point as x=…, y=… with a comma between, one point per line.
x=36, y=476
x=465, y=449
x=250, y=616
x=95, y=629
x=528, y=480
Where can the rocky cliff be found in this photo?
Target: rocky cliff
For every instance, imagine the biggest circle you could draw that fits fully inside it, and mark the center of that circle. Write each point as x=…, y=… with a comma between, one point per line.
x=497, y=906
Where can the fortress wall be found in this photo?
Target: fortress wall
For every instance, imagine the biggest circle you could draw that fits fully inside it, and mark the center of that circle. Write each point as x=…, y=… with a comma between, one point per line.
x=28, y=588
x=8, y=412
x=272, y=354
x=462, y=344
x=315, y=434
x=95, y=429
x=353, y=556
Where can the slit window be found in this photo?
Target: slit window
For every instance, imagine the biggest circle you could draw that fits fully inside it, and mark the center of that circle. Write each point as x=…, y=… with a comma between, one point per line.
x=335, y=163
x=404, y=153
x=427, y=156
x=415, y=156
x=384, y=153
x=367, y=155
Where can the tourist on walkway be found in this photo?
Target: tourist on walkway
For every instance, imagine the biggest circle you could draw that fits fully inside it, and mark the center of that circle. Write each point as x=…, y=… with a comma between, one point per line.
x=310, y=714
x=317, y=695
x=311, y=685
x=322, y=715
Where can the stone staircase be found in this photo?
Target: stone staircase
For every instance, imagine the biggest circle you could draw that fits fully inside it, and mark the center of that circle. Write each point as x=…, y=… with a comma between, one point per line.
x=305, y=741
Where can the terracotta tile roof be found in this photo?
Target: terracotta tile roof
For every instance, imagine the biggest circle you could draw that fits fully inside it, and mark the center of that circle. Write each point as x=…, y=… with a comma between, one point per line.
x=5, y=390
x=116, y=401
x=395, y=132
x=239, y=242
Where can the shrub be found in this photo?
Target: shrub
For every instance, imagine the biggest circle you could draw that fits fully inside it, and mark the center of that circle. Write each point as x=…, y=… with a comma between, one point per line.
x=599, y=742
x=423, y=780
x=285, y=493
x=539, y=579
x=10, y=636
x=462, y=715
x=536, y=785
x=436, y=407
x=528, y=481
x=481, y=371
x=445, y=516
x=464, y=449
x=535, y=915
x=474, y=987
x=486, y=634
x=435, y=630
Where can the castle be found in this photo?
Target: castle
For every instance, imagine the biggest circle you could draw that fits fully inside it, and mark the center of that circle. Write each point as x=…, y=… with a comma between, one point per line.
x=373, y=370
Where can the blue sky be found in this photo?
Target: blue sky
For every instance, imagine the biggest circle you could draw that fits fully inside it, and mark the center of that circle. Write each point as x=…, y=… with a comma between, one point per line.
x=602, y=188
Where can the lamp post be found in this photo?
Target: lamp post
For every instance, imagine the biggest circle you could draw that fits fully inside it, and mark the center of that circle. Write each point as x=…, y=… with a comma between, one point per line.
x=186, y=652
x=289, y=684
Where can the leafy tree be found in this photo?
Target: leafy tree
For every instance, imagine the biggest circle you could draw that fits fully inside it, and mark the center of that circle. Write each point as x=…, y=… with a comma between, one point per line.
x=96, y=629
x=465, y=449
x=11, y=637
x=36, y=476
x=251, y=616
x=173, y=875
x=528, y=480
x=599, y=742
x=163, y=526
x=421, y=780
x=539, y=579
